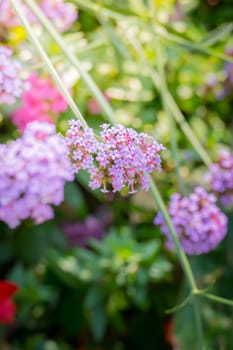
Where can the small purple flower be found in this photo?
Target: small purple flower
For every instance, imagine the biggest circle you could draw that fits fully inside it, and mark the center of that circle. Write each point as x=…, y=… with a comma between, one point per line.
x=33, y=172
x=220, y=177
x=122, y=158
x=11, y=86
x=199, y=223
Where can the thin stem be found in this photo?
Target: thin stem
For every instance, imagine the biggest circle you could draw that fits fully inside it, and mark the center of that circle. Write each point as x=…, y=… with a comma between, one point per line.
x=218, y=299
x=164, y=93
x=96, y=8
x=180, y=119
x=183, y=258
x=198, y=323
x=47, y=62
x=73, y=59
x=160, y=29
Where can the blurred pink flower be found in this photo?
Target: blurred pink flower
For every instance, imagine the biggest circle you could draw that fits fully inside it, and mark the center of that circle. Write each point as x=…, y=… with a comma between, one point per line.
x=94, y=107
x=43, y=102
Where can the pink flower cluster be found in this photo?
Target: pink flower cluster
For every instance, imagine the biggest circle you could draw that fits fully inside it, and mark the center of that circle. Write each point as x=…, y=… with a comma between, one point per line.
x=11, y=86
x=220, y=177
x=61, y=13
x=33, y=172
x=199, y=223
x=121, y=158
x=42, y=102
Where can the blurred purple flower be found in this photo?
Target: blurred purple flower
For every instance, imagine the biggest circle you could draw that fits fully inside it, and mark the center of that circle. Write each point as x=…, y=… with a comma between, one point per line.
x=94, y=227
x=33, y=172
x=61, y=13
x=11, y=86
x=123, y=157
x=199, y=223
x=220, y=177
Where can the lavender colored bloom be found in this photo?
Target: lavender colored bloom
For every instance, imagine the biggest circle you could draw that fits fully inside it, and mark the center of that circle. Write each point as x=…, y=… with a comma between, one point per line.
x=220, y=177
x=121, y=158
x=11, y=86
x=33, y=171
x=199, y=223
x=61, y=13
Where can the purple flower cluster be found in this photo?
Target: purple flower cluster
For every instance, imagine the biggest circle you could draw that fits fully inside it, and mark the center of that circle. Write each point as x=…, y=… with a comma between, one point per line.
x=11, y=86
x=61, y=13
x=220, y=177
x=33, y=171
x=199, y=223
x=121, y=158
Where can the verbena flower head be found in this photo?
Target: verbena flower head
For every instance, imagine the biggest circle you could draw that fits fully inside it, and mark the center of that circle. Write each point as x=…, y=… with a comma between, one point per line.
x=61, y=13
x=199, y=223
x=220, y=177
x=11, y=86
x=33, y=171
x=42, y=102
x=121, y=158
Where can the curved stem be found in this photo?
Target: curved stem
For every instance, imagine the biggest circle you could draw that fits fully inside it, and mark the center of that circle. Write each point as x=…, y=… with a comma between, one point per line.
x=73, y=59
x=180, y=119
x=218, y=299
x=164, y=93
x=47, y=62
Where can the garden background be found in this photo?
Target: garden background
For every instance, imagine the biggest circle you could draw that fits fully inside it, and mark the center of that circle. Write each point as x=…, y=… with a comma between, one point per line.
x=93, y=271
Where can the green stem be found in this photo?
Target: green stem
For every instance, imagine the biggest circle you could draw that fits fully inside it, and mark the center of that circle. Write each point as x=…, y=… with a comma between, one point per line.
x=160, y=29
x=47, y=62
x=180, y=119
x=198, y=323
x=73, y=59
x=183, y=258
x=164, y=93
x=218, y=299
x=98, y=9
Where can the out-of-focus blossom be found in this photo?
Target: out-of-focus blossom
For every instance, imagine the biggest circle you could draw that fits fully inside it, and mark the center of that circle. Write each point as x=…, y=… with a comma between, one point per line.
x=60, y=12
x=94, y=227
x=7, y=305
x=94, y=107
x=42, y=102
x=220, y=177
x=199, y=223
x=11, y=85
x=33, y=172
x=122, y=158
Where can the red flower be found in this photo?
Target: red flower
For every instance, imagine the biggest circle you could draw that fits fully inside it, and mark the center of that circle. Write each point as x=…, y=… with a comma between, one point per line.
x=169, y=334
x=7, y=306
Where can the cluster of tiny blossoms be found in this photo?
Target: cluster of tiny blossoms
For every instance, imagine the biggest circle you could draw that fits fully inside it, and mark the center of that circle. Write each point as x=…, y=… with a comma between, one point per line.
x=220, y=177
x=42, y=102
x=61, y=13
x=199, y=223
x=11, y=86
x=34, y=169
x=121, y=158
